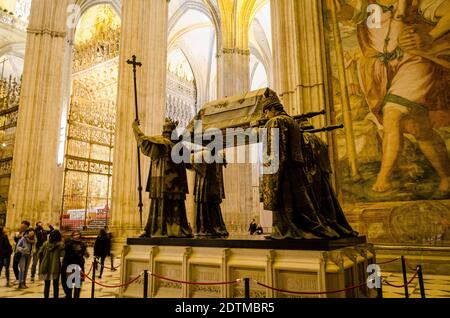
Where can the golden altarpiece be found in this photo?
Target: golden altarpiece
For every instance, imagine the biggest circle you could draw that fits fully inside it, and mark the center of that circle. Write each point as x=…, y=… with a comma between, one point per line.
x=89, y=139
x=9, y=108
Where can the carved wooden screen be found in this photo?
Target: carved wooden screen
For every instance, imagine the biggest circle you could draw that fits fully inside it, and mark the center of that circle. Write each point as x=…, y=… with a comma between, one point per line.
x=88, y=163
x=91, y=122
x=9, y=108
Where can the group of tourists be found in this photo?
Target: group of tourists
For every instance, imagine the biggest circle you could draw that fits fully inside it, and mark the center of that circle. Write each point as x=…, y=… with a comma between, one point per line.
x=50, y=256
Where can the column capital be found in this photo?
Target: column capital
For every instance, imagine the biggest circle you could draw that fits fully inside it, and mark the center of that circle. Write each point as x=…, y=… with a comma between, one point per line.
x=56, y=34
x=236, y=51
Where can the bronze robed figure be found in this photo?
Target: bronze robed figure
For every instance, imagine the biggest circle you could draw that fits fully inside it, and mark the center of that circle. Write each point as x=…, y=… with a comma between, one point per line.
x=167, y=185
x=318, y=171
x=208, y=195
x=287, y=192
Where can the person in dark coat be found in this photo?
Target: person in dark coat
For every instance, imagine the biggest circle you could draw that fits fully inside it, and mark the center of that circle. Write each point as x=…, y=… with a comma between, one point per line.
x=252, y=228
x=5, y=253
x=259, y=230
x=41, y=238
x=111, y=255
x=74, y=253
x=102, y=248
x=50, y=265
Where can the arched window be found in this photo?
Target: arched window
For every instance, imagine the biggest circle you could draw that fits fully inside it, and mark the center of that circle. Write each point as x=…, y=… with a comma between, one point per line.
x=23, y=8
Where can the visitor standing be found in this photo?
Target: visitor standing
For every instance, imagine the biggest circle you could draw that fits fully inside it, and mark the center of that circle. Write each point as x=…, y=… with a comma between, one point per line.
x=111, y=255
x=102, y=248
x=25, y=247
x=50, y=265
x=41, y=238
x=74, y=253
x=16, y=259
x=5, y=253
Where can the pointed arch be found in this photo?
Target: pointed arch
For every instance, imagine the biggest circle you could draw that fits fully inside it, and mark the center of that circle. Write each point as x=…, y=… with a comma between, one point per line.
x=85, y=5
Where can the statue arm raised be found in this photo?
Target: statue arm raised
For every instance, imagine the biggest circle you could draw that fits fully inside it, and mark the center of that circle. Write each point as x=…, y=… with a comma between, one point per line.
x=153, y=147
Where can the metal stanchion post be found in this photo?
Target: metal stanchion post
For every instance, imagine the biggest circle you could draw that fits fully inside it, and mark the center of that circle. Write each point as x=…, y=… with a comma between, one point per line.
x=93, y=278
x=405, y=279
x=247, y=288
x=421, y=284
x=145, y=284
x=380, y=290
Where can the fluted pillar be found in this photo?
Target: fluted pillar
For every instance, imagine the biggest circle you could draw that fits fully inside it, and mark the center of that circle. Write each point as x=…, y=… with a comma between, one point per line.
x=35, y=179
x=310, y=89
x=144, y=34
x=285, y=47
x=299, y=55
x=234, y=71
x=234, y=79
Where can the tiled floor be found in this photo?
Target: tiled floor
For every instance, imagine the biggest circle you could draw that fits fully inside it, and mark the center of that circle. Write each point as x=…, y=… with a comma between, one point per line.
x=435, y=286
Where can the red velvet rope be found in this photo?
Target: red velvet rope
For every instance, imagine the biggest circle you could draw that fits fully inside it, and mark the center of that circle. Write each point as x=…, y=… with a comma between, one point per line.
x=402, y=286
x=112, y=286
x=238, y=280
x=409, y=266
x=89, y=272
x=193, y=283
x=116, y=266
x=387, y=262
x=311, y=293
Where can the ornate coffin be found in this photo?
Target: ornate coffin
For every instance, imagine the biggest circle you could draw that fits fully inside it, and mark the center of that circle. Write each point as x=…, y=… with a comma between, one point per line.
x=233, y=112
x=239, y=112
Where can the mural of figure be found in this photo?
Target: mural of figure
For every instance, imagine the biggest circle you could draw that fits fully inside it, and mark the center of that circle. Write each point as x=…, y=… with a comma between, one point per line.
x=208, y=195
x=401, y=80
x=167, y=185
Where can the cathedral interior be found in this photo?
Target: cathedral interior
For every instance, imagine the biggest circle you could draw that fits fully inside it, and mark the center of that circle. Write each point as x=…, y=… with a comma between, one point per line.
x=67, y=105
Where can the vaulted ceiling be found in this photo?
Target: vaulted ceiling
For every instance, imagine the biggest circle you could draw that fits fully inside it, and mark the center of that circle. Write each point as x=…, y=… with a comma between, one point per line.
x=197, y=28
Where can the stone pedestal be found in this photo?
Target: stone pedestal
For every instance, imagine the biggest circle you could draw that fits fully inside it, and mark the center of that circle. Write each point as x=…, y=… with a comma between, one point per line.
x=303, y=266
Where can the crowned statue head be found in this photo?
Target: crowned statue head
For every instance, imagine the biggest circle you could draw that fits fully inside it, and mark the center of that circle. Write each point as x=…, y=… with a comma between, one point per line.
x=169, y=126
x=271, y=105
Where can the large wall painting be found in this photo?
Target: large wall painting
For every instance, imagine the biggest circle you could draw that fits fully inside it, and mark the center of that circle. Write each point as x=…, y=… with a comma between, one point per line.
x=396, y=57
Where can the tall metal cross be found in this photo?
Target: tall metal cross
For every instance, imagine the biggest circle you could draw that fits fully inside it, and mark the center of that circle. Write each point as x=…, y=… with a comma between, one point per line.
x=135, y=65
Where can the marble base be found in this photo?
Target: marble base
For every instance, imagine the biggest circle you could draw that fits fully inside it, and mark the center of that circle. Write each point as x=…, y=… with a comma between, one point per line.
x=297, y=265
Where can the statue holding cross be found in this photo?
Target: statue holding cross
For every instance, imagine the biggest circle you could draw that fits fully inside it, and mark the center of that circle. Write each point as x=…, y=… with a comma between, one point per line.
x=136, y=64
x=167, y=181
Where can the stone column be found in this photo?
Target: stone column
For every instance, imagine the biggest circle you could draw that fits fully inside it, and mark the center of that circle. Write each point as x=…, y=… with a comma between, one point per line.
x=285, y=47
x=300, y=59
x=299, y=55
x=34, y=193
x=144, y=34
x=234, y=72
x=234, y=79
